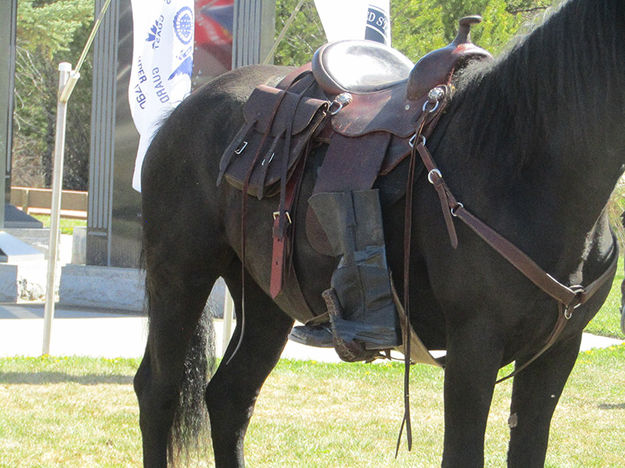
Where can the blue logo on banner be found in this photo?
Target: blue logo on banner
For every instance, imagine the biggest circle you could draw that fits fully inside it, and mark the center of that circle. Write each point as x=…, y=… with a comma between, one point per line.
x=185, y=68
x=154, y=35
x=183, y=25
x=377, y=24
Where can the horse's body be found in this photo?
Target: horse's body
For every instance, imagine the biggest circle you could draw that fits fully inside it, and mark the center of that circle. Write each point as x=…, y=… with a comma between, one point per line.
x=532, y=144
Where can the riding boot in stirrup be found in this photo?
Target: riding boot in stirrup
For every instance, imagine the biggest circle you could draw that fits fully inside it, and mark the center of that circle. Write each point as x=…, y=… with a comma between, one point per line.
x=363, y=317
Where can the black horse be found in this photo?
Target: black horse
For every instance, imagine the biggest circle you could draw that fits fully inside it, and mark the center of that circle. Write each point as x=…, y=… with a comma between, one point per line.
x=533, y=144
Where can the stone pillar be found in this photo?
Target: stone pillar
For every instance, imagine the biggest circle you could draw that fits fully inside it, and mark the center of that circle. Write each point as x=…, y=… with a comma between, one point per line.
x=101, y=155
x=114, y=219
x=8, y=13
x=253, y=31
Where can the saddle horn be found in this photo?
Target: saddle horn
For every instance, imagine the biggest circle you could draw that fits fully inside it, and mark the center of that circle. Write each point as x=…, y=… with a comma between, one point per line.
x=437, y=66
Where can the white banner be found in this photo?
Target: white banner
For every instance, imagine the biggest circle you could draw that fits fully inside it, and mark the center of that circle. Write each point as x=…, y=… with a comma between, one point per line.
x=162, y=63
x=355, y=19
x=379, y=21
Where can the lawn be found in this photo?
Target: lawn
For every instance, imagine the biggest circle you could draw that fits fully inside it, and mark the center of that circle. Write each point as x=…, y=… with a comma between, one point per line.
x=67, y=225
x=607, y=322
x=79, y=412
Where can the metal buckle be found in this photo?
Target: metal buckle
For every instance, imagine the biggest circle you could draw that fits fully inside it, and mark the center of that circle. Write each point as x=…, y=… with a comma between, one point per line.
x=270, y=159
x=579, y=290
x=276, y=215
x=568, y=309
x=241, y=147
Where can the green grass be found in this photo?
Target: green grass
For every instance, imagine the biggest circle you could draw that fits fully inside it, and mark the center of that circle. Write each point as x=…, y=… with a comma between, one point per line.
x=79, y=412
x=67, y=224
x=607, y=322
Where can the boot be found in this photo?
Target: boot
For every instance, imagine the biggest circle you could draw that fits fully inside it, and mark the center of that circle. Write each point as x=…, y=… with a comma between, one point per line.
x=363, y=318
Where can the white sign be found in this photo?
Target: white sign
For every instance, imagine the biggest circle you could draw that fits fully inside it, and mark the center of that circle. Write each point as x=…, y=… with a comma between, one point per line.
x=162, y=63
x=355, y=19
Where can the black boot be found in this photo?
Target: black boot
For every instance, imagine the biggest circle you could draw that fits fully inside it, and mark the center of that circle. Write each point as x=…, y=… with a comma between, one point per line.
x=362, y=313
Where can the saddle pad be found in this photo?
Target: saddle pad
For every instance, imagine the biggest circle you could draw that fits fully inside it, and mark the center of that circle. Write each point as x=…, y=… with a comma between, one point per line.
x=274, y=119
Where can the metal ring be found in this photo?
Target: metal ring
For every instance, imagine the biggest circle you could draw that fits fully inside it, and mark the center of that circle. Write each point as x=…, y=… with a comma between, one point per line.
x=337, y=110
x=567, y=313
x=425, y=106
x=454, y=210
x=413, y=139
x=431, y=173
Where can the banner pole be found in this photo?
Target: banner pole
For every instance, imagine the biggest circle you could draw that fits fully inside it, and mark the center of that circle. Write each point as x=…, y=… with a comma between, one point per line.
x=73, y=79
x=65, y=70
x=285, y=28
x=67, y=81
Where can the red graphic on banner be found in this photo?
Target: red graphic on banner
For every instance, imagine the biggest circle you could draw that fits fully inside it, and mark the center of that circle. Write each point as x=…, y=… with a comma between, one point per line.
x=213, y=36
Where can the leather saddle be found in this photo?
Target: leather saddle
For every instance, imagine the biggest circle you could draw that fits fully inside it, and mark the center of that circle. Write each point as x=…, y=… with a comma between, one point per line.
x=362, y=98
x=358, y=89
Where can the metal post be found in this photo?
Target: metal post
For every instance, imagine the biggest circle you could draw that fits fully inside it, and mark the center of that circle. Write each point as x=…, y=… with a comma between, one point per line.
x=65, y=70
x=67, y=82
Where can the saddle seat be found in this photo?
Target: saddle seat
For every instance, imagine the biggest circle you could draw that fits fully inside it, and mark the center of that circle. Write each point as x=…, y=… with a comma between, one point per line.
x=359, y=66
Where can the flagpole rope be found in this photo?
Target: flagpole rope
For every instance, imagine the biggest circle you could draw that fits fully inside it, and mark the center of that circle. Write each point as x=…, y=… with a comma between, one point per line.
x=287, y=25
x=75, y=74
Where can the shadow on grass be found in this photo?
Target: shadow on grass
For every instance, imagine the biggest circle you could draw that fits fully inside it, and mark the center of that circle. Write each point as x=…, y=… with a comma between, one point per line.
x=41, y=378
x=611, y=406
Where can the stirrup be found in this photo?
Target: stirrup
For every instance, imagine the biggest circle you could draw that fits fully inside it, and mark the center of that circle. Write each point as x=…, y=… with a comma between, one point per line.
x=351, y=351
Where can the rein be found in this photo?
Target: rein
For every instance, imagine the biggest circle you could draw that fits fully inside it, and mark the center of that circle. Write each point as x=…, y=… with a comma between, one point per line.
x=568, y=297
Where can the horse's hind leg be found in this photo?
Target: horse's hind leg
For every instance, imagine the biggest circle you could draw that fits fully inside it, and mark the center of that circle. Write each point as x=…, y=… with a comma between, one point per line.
x=232, y=392
x=535, y=394
x=177, y=293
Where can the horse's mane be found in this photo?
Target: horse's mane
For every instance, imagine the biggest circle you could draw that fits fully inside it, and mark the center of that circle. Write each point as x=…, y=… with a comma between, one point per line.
x=563, y=66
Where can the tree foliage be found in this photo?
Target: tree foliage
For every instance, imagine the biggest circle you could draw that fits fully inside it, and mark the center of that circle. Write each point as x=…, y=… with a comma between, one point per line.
x=50, y=32
x=417, y=26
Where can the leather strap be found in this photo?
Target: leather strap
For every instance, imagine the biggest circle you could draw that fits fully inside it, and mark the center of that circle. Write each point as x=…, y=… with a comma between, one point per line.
x=278, y=259
x=293, y=76
x=431, y=112
x=565, y=295
x=287, y=82
x=568, y=297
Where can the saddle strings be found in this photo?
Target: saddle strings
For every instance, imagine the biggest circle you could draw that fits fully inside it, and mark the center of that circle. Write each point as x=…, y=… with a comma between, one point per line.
x=286, y=84
x=406, y=296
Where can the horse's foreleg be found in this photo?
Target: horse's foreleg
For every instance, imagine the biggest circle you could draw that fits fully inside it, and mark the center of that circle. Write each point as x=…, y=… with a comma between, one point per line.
x=473, y=359
x=176, y=302
x=232, y=392
x=535, y=393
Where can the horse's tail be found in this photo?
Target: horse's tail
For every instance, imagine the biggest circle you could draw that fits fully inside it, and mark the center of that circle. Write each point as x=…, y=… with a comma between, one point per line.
x=190, y=431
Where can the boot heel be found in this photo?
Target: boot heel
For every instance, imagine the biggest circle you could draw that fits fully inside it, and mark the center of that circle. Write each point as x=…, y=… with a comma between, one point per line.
x=351, y=351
